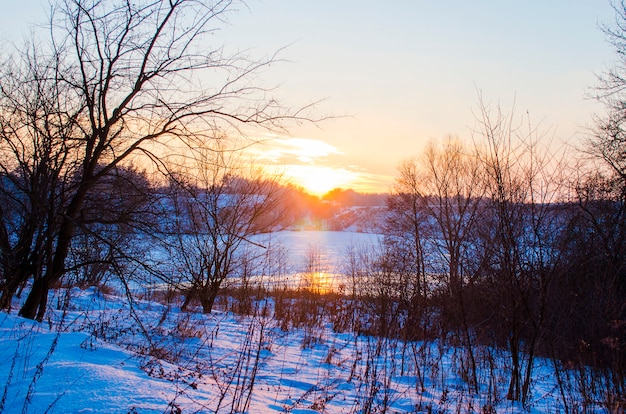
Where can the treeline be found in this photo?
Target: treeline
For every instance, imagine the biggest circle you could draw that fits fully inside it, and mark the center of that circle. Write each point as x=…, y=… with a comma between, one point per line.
x=508, y=244
x=338, y=210
x=503, y=244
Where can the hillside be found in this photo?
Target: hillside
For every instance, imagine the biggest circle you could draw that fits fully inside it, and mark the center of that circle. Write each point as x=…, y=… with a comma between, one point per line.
x=93, y=355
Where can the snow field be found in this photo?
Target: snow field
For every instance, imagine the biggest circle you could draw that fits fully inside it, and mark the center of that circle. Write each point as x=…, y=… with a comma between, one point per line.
x=94, y=357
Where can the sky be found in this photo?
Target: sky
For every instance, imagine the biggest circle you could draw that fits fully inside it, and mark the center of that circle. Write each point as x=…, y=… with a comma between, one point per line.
x=396, y=75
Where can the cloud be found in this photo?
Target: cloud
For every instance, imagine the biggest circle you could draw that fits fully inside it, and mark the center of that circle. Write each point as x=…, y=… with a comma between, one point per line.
x=292, y=150
x=315, y=165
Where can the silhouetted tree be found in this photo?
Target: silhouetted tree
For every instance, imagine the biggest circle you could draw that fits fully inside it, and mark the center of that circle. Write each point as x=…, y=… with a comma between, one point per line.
x=220, y=203
x=116, y=80
x=520, y=228
x=597, y=283
x=117, y=220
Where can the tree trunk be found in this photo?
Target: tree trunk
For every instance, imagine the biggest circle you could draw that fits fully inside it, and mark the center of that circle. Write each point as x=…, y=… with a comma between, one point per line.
x=37, y=300
x=528, y=377
x=514, y=385
x=207, y=299
x=9, y=288
x=191, y=293
x=19, y=271
x=470, y=345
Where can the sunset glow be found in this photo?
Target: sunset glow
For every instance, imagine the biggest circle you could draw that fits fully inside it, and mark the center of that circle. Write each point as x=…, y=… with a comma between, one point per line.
x=319, y=282
x=319, y=179
x=315, y=165
x=386, y=81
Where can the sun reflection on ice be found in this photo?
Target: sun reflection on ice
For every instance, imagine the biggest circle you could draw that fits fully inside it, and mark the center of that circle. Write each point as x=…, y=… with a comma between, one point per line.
x=319, y=282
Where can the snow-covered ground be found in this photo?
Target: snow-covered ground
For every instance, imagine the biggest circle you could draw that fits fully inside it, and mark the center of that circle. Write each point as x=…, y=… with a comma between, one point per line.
x=94, y=357
x=98, y=353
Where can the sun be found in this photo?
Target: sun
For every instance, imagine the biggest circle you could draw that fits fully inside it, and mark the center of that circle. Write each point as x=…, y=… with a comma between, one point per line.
x=318, y=179
x=312, y=164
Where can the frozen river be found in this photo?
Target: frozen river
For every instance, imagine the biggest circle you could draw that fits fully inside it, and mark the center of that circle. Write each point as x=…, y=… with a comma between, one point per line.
x=318, y=255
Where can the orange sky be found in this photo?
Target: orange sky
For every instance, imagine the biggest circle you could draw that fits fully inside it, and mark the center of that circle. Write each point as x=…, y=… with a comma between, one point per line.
x=409, y=72
x=316, y=165
x=400, y=74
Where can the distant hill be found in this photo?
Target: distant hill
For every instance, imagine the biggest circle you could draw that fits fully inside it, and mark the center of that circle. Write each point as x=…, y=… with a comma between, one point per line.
x=338, y=210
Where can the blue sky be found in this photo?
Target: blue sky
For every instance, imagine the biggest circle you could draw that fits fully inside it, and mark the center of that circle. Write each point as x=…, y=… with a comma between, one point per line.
x=408, y=71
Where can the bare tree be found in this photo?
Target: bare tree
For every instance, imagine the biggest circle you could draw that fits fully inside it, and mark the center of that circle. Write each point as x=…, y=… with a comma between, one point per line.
x=116, y=80
x=452, y=184
x=118, y=218
x=220, y=204
x=38, y=167
x=453, y=181
x=445, y=188
x=609, y=140
x=407, y=227
x=520, y=235
x=597, y=286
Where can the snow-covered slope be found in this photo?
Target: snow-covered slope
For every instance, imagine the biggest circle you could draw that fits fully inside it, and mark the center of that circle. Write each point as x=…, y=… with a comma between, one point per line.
x=94, y=357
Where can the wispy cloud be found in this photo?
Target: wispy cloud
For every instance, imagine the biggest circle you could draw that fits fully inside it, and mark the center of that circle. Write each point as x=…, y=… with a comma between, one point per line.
x=290, y=149
x=315, y=165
